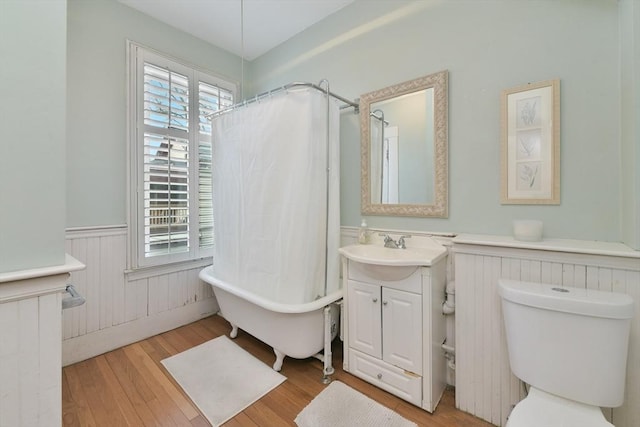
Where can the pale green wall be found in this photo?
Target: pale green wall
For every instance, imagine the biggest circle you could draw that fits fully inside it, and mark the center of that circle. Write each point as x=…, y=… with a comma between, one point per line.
x=97, y=140
x=630, y=121
x=487, y=46
x=32, y=119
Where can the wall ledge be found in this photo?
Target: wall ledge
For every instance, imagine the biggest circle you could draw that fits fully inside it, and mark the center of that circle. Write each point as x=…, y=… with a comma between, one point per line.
x=22, y=284
x=556, y=245
x=583, y=252
x=70, y=264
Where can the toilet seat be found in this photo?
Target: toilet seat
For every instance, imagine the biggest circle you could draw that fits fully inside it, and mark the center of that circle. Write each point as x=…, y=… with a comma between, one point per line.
x=540, y=408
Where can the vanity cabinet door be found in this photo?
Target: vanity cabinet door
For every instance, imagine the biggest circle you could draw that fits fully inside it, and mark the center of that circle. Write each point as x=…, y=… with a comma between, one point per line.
x=365, y=318
x=402, y=329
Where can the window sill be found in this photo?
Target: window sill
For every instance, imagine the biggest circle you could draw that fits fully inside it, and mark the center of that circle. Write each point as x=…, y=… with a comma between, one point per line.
x=160, y=270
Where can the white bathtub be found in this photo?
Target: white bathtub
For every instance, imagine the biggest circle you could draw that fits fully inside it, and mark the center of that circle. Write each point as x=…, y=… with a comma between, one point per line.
x=294, y=330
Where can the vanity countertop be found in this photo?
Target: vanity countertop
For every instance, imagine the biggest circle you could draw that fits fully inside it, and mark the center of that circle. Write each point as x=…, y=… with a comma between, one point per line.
x=379, y=255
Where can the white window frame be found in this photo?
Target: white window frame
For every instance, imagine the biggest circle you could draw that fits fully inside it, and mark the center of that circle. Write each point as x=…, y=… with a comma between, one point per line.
x=137, y=55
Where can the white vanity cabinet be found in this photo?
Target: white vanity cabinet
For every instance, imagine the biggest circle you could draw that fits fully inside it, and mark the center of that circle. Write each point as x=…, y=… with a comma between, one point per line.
x=394, y=329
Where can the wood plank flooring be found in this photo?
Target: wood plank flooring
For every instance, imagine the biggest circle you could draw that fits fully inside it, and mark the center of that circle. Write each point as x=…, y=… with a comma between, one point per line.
x=130, y=387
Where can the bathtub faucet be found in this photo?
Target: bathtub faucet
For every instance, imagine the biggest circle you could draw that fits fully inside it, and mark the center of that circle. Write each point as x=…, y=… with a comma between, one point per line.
x=390, y=243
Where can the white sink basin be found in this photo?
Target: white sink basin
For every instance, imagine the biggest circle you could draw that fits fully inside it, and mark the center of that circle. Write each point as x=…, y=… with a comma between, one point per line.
x=391, y=264
x=379, y=255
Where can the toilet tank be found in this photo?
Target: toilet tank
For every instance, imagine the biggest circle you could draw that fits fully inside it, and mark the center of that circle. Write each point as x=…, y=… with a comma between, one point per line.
x=571, y=342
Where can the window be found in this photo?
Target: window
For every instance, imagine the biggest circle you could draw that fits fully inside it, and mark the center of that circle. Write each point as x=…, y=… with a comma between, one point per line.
x=171, y=198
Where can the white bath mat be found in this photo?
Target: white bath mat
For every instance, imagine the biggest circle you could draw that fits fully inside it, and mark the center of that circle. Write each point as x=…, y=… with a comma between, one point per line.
x=341, y=406
x=221, y=378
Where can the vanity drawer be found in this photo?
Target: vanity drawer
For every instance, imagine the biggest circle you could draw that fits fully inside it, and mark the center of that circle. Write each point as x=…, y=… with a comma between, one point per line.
x=406, y=385
x=369, y=273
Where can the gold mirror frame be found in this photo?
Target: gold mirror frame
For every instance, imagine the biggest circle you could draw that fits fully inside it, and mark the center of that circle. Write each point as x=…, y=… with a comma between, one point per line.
x=439, y=209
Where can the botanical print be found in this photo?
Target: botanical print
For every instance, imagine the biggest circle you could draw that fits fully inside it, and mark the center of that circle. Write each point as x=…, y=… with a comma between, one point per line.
x=528, y=144
x=528, y=176
x=528, y=112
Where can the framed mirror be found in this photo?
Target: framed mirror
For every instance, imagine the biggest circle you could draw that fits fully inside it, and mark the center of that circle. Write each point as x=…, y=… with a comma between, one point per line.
x=404, y=148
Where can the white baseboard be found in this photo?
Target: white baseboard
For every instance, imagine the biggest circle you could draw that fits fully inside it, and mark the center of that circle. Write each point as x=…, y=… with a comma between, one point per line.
x=93, y=344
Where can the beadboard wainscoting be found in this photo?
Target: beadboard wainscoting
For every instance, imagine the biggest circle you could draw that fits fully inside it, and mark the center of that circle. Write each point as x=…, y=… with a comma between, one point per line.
x=124, y=307
x=30, y=380
x=485, y=385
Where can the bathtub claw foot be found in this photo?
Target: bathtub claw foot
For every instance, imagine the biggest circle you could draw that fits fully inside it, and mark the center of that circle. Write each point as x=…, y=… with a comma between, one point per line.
x=234, y=331
x=279, y=359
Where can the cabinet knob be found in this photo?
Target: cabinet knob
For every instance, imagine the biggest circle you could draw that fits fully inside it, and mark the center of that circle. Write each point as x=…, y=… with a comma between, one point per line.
x=379, y=376
x=384, y=302
x=375, y=300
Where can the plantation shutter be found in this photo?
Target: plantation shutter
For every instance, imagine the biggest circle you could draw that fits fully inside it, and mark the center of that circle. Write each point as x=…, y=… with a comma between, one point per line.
x=211, y=98
x=166, y=161
x=170, y=137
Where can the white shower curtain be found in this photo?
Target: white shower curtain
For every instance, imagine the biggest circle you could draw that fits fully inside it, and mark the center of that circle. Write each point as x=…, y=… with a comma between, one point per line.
x=270, y=196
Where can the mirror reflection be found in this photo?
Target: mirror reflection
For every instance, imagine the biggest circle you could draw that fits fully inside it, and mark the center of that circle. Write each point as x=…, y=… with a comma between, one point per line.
x=404, y=148
x=405, y=121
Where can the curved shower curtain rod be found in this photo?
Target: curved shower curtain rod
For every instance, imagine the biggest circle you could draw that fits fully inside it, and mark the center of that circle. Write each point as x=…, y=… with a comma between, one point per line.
x=292, y=85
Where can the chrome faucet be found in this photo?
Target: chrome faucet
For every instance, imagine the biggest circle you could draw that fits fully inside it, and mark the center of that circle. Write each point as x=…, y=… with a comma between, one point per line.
x=390, y=243
x=401, y=244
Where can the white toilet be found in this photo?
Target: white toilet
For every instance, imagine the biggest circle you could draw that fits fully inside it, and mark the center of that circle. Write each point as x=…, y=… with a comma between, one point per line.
x=570, y=345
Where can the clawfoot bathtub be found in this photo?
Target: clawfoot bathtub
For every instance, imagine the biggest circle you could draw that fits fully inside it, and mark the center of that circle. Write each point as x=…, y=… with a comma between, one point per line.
x=294, y=330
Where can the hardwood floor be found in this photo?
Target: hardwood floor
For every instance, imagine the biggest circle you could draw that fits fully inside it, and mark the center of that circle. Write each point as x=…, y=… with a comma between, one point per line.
x=130, y=387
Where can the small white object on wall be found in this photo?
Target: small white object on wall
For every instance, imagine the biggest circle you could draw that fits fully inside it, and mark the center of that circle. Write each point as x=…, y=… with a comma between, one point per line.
x=527, y=230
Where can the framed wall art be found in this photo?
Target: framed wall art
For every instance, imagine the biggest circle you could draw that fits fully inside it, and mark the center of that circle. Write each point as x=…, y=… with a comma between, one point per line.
x=531, y=144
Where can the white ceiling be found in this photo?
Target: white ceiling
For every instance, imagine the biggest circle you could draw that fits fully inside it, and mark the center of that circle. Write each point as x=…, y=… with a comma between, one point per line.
x=267, y=23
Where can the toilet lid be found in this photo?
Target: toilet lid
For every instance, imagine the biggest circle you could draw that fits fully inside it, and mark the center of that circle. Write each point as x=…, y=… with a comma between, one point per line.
x=543, y=409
